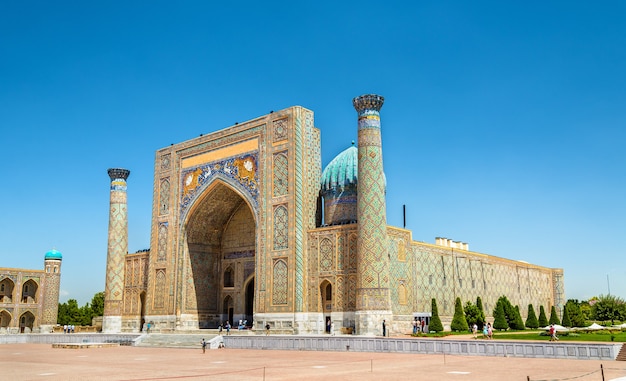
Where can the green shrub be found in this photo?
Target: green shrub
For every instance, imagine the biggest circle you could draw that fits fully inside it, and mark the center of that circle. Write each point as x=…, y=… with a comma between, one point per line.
x=459, y=323
x=435, y=321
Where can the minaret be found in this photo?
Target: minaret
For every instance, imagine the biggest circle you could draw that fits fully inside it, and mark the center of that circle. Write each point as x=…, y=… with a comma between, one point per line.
x=52, y=268
x=373, y=304
x=116, y=252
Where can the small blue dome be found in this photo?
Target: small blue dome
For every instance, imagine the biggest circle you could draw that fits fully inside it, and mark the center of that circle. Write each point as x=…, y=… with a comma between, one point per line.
x=53, y=254
x=342, y=170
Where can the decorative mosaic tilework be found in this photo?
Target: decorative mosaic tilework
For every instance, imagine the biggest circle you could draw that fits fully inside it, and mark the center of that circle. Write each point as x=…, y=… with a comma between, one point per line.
x=402, y=295
x=340, y=251
x=279, y=282
x=162, y=248
x=159, y=289
x=281, y=228
x=352, y=252
x=165, y=161
x=280, y=129
x=117, y=248
x=281, y=175
x=326, y=255
x=242, y=169
x=164, y=196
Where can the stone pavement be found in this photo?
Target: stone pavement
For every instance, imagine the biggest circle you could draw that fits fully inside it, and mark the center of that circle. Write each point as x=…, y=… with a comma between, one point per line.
x=42, y=362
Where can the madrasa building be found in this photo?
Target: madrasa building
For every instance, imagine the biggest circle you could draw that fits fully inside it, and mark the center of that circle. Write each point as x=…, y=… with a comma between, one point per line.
x=247, y=226
x=29, y=298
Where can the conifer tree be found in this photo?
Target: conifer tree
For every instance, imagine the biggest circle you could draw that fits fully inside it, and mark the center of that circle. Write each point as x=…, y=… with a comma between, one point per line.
x=459, y=323
x=435, y=321
x=518, y=322
x=543, y=320
x=531, y=320
x=479, y=305
x=499, y=318
x=554, y=318
x=566, y=322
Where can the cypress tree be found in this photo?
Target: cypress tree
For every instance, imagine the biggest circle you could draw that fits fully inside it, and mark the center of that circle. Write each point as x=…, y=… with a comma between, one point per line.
x=554, y=318
x=481, y=313
x=499, y=319
x=543, y=320
x=435, y=321
x=518, y=322
x=459, y=323
x=566, y=322
x=531, y=320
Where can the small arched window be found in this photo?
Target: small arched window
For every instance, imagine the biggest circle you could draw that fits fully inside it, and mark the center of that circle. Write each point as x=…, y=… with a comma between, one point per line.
x=329, y=292
x=229, y=278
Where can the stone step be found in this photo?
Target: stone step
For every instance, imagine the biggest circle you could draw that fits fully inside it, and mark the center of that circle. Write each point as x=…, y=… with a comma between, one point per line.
x=621, y=356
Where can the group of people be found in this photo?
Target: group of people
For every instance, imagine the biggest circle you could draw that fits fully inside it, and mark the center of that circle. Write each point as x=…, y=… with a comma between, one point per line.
x=419, y=325
x=68, y=328
x=226, y=326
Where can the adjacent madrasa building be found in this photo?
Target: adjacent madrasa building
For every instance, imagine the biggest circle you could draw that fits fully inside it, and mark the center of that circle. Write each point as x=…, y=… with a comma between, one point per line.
x=29, y=299
x=247, y=226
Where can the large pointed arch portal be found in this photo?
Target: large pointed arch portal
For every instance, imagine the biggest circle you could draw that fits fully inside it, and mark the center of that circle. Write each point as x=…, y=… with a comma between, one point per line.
x=221, y=245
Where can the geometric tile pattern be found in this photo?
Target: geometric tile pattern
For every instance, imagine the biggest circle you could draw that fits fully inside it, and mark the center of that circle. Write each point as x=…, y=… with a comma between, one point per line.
x=281, y=228
x=117, y=242
x=164, y=193
x=281, y=175
x=162, y=249
x=280, y=129
x=373, y=271
x=326, y=255
x=279, y=282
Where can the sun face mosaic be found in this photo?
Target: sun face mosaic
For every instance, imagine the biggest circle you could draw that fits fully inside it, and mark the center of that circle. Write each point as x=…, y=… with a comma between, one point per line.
x=242, y=169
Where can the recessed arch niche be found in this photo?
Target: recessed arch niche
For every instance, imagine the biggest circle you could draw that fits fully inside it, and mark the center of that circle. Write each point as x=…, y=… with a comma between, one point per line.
x=220, y=239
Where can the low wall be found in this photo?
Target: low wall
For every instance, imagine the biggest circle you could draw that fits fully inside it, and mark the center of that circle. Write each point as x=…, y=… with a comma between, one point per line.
x=53, y=338
x=571, y=350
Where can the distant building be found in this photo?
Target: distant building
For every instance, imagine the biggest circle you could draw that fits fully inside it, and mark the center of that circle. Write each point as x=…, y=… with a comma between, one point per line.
x=29, y=299
x=246, y=226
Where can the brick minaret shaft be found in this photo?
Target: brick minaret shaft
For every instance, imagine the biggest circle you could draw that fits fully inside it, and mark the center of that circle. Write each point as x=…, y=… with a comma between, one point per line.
x=373, y=302
x=116, y=251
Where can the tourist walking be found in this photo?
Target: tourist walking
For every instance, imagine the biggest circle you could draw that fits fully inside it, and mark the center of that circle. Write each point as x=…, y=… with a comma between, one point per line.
x=384, y=328
x=267, y=329
x=203, y=346
x=475, y=330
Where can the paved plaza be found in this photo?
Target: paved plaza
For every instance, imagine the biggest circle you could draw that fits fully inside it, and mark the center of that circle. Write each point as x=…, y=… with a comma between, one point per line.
x=42, y=362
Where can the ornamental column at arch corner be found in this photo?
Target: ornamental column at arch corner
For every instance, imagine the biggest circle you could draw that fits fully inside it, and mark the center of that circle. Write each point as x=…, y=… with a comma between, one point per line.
x=117, y=249
x=373, y=303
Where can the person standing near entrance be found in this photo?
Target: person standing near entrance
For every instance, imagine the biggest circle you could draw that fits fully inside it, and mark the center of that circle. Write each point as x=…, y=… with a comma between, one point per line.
x=267, y=329
x=423, y=324
x=227, y=328
x=384, y=328
x=203, y=345
x=332, y=328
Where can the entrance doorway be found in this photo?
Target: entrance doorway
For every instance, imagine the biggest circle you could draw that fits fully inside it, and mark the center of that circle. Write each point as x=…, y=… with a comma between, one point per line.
x=249, y=312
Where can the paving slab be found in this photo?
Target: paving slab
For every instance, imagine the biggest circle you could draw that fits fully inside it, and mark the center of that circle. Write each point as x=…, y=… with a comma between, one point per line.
x=42, y=362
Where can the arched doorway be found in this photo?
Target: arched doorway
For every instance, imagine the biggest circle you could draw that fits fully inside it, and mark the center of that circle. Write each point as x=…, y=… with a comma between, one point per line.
x=29, y=291
x=221, y=243
x=249, y=309
x=5, y=319
x=228, y=310
x=326, y=302
x=27, y=320
x=142, y=309
x=6, y=290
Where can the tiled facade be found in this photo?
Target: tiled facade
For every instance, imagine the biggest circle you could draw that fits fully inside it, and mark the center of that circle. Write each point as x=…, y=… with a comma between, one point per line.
x=237, y=234
x=29, y=299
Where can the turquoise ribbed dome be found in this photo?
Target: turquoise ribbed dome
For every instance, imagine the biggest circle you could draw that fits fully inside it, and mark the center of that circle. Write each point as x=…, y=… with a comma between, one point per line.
x=53, y=254
x=342, y=170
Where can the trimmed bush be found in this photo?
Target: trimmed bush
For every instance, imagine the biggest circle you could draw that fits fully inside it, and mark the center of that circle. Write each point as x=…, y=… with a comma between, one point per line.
x=531, y=320
x=459, y=323
x=554, y=318
x=543, y=320
x=435, y=321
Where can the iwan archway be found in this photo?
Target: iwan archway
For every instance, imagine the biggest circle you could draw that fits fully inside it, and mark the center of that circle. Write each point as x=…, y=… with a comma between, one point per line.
x=220, y=239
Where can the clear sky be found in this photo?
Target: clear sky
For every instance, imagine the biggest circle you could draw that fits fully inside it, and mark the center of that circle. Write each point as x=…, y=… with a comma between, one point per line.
x=504, y=123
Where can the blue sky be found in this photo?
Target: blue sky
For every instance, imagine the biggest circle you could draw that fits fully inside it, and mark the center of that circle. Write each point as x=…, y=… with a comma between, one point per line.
x=503, y=125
